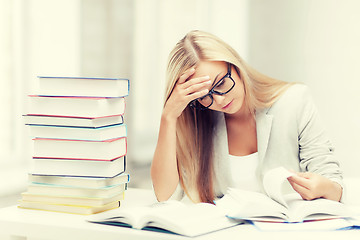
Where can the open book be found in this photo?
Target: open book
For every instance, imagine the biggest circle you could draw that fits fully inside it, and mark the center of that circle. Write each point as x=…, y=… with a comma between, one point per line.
x=275, y=206
x=169, y=216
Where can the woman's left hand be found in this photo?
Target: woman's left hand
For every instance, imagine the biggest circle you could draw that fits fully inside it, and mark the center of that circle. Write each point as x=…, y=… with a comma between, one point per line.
x=311, y=186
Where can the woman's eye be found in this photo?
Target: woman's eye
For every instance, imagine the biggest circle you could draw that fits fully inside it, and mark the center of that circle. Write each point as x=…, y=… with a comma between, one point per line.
x=220, y=83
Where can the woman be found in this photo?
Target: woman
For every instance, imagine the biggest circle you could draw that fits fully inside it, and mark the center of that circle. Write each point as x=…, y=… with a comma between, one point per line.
x=224, y=124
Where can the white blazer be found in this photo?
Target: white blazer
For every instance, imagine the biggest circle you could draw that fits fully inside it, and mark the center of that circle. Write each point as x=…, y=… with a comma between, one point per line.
x=289, y=134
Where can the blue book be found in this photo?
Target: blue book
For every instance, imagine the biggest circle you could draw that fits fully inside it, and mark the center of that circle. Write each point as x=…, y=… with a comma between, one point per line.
x=79, y=133
x=66, y=121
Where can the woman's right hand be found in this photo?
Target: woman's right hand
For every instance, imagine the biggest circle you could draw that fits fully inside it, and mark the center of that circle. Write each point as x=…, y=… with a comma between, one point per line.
x=185, y=90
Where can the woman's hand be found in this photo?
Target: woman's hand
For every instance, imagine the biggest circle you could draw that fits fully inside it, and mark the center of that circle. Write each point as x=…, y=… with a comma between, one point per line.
x=311, y=186
x=184, y=92
x=164, y=170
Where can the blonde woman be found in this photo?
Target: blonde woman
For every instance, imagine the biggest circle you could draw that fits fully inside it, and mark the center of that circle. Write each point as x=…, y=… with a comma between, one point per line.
x=224, y=124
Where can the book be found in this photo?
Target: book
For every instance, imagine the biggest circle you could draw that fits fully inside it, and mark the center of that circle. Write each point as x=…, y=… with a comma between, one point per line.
x=80, y=201
x=107, y=150
x=275, y=206
x=83, y=86
x=70, y=191
x=170, y=216
x=90, y=107
x=78, y=133
x=77, y=181
x=84, y=168
x=316, y=225
x=67, y=208
x=55, y=120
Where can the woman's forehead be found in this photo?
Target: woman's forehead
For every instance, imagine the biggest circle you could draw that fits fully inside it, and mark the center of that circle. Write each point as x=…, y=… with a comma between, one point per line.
x=212, y=69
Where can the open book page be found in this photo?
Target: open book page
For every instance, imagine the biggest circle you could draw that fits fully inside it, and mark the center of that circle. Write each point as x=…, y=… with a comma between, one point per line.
x=189, y=219
x=276, y=206
x=172, y=216
x=135, y=216
x=302, y=210
x=273, y=183
x=242, y=204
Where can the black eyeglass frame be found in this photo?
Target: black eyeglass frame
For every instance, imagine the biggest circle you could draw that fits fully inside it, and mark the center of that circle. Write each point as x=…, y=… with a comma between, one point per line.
x=196, y=104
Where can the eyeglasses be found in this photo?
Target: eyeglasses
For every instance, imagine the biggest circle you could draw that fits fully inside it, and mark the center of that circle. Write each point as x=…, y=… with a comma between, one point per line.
x=222, y=87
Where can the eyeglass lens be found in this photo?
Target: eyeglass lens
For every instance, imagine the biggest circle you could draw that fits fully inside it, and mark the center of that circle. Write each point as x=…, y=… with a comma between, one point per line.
x=222, y=87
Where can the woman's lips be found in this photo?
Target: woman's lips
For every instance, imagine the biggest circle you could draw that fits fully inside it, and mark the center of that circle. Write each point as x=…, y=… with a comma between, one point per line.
x=227, y=105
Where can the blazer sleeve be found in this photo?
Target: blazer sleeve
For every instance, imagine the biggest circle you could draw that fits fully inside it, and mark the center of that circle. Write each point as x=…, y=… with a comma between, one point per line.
x=316, y=152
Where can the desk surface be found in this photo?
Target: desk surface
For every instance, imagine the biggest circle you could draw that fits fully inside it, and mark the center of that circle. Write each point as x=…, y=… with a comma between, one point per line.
x=37, y=224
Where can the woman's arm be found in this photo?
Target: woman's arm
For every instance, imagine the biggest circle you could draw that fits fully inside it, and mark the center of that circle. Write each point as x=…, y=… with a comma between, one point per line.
x=164, y=171
x=321, y=176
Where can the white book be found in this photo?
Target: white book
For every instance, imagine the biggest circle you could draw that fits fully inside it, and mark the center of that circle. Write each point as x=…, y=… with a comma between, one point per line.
x=80, y=149
x=50, y=120
x=82, y=168
x=277, y=206
x=79, y=201
x=82, y=86
x=58, y=190
x=78, y=133
x=76, y=106
x=77, y=181
x=170, y=216
x=325, y=225
x=67, y=208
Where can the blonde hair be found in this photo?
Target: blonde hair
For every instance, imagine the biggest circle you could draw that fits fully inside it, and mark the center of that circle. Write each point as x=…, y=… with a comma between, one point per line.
x=194, y=146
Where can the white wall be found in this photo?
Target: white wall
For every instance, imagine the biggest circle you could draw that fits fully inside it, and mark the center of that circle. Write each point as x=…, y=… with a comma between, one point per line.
x=315, y=42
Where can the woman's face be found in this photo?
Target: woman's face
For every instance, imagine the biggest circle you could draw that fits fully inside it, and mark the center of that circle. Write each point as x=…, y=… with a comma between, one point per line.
x=231, y=102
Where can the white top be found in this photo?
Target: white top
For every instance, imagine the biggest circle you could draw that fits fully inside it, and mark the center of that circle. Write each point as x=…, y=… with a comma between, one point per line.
x=242, y=169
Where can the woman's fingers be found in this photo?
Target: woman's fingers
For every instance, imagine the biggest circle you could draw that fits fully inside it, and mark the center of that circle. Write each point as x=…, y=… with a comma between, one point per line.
x=186, y=75
x=194, y=81
x=195, y=95
x=309, y=185
x=186, y=89
x=196, y=88
x=299, y=180
x=192, y=88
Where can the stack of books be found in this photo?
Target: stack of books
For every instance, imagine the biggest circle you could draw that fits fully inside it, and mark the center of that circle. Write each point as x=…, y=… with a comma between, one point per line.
x=80, y=145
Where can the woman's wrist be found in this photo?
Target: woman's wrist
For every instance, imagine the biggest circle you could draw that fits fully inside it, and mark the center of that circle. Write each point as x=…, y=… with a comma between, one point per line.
x=168, y=119
x=334, y=192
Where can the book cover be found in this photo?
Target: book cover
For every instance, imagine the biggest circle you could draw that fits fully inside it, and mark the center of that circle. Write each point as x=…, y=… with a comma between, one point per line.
x=79, y=133
x=67, y=208
x=67, y=121
x=79, y=201
x=91, y=107
x=78, y=181
x=80, y=149
x=83, y=86
x=70, y=191
x=82, y=168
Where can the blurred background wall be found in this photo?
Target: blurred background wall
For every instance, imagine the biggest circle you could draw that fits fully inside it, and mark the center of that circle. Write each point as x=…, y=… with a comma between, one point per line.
x=311, y=41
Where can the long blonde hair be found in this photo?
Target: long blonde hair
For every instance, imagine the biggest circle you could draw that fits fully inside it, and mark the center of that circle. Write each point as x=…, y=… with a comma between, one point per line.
x=194, y=130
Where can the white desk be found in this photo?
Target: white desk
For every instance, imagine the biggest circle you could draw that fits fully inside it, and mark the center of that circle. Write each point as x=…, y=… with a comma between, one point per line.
x=23, y=224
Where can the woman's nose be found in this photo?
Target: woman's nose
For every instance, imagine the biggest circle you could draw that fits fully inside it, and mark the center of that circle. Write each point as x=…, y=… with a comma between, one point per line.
x=218, y=99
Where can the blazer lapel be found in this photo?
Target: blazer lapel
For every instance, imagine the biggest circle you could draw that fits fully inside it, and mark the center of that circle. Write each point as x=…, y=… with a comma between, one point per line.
x=263, y=129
